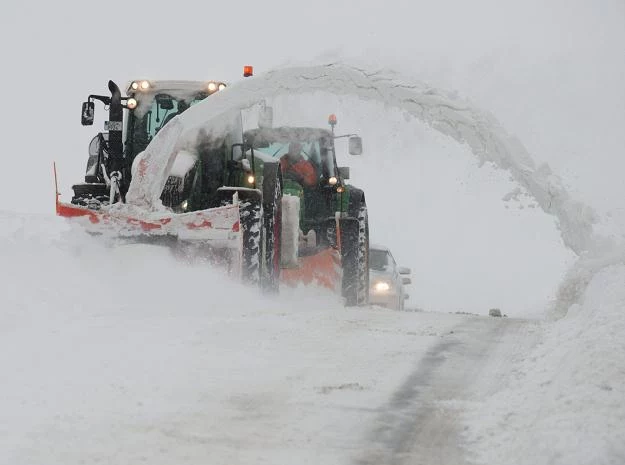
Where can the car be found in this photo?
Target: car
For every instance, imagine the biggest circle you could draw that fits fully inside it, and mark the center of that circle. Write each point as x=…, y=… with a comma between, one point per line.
x=387, y=280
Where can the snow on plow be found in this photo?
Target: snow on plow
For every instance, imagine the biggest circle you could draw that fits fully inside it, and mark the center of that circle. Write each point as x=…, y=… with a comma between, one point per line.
x=219, y=225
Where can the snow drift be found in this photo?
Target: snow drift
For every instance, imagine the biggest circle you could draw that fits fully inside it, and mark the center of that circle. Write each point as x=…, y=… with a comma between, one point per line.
x=563, y=403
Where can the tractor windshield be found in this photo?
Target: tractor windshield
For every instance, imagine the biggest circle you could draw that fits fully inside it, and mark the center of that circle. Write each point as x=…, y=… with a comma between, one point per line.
x=152, y=114
x=309, y=150
x=316, y=146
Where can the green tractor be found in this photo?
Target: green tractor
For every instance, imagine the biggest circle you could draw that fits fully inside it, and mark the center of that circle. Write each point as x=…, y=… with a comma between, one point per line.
x=325, y=230
x=225, y=193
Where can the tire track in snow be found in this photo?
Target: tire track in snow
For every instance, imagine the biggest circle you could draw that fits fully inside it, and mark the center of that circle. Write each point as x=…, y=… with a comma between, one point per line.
x=421, y=424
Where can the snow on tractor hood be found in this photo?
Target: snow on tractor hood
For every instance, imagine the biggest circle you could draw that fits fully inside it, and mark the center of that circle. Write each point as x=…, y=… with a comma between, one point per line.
x=450, y=115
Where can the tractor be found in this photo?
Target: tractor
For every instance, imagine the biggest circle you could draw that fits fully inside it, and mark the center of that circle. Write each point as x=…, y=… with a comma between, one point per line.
x=229, y=196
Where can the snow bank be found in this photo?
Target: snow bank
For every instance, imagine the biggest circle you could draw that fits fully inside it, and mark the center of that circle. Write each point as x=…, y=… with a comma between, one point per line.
x=446, y=113
x=564, y=402
x=577, y=279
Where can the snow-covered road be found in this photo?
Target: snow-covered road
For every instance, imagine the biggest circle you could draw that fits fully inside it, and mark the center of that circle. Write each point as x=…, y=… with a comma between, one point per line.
x=421, y=423
x=145, y=373
x=266, y=385
x=124, y=355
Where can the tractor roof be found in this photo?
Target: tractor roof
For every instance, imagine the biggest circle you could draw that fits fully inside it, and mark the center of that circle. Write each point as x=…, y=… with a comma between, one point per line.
x=171, y=86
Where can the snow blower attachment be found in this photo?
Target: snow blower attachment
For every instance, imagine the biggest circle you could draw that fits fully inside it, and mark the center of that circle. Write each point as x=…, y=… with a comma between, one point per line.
x=268, y=203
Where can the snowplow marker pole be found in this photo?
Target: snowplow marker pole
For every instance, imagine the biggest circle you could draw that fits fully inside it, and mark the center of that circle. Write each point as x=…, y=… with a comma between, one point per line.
x=56, y=189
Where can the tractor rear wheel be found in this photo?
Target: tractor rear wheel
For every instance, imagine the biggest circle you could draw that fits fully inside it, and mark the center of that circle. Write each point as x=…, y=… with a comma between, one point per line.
x=355, y=257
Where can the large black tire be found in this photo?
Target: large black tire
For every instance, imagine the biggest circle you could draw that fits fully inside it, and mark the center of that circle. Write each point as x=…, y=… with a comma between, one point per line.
x=251, y=230
x=355, y=257
x=272, y=226
x=363, y=255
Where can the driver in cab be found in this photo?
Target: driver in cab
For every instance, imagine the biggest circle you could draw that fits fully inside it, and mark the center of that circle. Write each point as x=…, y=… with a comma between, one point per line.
x=295, y=166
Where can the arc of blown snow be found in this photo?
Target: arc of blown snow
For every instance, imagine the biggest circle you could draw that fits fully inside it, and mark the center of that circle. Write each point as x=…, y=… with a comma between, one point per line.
x=449, y=115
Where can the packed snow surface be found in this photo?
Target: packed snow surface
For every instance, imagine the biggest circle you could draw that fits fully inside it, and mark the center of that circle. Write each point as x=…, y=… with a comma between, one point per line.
x=123, y=354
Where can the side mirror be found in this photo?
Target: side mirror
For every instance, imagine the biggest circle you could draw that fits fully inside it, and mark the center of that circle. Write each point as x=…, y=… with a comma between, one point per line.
x=355, y=145
x=344, y=172
x=403, y=270
x=88, y=112
x=237, y=152
x=406, y=280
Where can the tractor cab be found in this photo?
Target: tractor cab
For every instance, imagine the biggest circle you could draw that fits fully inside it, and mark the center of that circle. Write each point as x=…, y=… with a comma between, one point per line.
x=152, y=104
x=149, y=106
x=310, y=171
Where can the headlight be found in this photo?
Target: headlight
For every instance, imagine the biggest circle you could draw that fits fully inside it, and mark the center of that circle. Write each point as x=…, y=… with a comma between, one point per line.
x=333, y=180
x=145, y=85
x=381, y=286
x=222, y=86
x=131, y=104
x=134, y=85
x=184, y=205
x=250, y=179
x=212, y=87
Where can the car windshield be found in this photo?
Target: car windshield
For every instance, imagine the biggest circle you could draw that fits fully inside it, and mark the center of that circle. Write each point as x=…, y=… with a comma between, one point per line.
x=378, y=260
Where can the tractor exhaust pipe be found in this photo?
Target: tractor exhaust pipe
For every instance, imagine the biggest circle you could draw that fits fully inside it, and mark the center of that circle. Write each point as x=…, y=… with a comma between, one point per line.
x=115, y=126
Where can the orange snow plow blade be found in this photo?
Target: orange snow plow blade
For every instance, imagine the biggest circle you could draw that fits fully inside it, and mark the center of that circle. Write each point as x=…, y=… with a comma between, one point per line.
x=220, y=226
x=215, y=224
x=321, y=269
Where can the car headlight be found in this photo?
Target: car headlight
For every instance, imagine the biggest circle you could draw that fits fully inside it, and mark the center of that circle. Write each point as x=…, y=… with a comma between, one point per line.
x=381, y=286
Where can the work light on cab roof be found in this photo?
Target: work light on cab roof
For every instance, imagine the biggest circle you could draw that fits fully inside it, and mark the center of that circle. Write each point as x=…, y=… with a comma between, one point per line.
x=143, y=86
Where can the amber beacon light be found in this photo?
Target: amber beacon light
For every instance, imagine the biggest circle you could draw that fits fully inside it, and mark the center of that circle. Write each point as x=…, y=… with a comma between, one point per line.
x=248, y=71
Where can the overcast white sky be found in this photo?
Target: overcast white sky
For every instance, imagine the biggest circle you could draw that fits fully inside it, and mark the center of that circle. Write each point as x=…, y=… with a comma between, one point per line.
x=553, y=72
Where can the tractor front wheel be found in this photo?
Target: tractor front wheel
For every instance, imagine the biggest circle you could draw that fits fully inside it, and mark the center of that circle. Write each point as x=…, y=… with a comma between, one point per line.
x=251, y=225
x=272, y=226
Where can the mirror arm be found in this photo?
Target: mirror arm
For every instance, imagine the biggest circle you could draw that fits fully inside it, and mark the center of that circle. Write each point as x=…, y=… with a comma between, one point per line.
x=102, y=98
